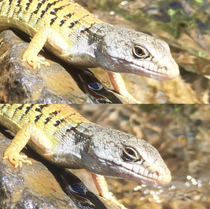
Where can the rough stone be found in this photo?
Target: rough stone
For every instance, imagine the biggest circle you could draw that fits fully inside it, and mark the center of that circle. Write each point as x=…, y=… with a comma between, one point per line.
x=43, y=186
x=19, y=83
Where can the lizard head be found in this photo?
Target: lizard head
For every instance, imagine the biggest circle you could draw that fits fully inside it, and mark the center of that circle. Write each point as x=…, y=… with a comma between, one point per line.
x=118, y=154
x=128, y=51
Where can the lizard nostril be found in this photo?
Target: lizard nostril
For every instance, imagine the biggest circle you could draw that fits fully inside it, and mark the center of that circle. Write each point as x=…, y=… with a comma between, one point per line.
x=157, y=173
x=165, y=68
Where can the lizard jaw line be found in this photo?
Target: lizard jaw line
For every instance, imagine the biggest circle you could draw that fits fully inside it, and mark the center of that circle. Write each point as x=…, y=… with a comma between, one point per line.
x=161, y=73
x=148, y=180
x=137, y=177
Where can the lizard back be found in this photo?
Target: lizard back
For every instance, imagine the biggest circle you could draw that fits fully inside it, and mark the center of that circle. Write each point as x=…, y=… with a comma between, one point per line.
x=51, y=118
x=30, y=15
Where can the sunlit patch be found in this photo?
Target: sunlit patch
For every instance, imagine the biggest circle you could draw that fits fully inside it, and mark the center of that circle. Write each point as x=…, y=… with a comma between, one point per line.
x=160, y=191
x=137, y=188
x=189, y=177
x=187, y=184
x=192, y=181
x=151, y=195
x=146, y=191
x=154, y=197
x=172, y=187
x=124, y=3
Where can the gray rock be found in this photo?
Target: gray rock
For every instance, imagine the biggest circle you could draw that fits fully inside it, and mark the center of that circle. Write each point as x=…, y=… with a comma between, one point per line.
x=19, y=83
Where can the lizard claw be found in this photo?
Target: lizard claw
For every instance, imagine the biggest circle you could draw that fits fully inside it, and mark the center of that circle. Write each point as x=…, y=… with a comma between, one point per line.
x=16, y=159
x=35, y=61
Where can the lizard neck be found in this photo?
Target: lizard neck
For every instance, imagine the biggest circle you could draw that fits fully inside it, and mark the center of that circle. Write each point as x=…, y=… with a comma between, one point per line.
x=88, y=45
x=73, y=146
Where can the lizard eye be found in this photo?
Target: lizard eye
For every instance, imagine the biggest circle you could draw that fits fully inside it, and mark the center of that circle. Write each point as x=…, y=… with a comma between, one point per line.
x=140, y=52
x=129, y=155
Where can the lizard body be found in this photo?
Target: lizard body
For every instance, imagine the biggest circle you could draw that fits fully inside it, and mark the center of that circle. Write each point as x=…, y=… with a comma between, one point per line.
x=62, y=136
x=79, y=38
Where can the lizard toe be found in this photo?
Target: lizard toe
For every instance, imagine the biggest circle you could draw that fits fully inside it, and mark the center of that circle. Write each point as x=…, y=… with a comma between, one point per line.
x=35, y=61
x=17, y=159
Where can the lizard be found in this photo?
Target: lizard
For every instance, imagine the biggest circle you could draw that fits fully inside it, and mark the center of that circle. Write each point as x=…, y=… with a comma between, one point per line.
x=62, y=136
x=79, y=38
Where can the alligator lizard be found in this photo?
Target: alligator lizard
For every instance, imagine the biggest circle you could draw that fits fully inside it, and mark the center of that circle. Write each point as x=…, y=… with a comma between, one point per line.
x=79, y=38
x=63, y=137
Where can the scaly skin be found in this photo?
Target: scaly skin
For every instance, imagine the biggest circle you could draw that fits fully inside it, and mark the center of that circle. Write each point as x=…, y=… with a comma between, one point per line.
x=62, y=136
x=79, y=38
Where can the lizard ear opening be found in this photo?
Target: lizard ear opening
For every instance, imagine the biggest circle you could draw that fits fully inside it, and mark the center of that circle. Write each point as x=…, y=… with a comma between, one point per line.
x=130, y=155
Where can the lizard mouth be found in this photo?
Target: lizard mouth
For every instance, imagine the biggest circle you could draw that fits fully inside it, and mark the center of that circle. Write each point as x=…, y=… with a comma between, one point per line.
x=149, y=70
x=139, y=173
x=162, y=73
x=152, y=178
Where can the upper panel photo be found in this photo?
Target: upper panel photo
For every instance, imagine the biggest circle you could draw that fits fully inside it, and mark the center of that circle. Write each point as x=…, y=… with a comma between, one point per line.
x=108, y=51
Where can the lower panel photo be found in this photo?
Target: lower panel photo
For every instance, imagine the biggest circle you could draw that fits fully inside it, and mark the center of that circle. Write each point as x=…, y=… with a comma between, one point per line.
x=104, y=156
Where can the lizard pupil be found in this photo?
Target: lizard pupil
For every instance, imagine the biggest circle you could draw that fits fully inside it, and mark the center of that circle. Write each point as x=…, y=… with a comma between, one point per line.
x=130, y=152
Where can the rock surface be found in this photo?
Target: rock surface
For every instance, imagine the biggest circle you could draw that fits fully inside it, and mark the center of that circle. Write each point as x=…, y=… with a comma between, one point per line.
x=19, y=83
x=43, y=186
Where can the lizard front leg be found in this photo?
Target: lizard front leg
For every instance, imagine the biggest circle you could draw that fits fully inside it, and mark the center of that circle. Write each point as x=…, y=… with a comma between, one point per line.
x=101, y=186
x=119, y=86
x=44, y=35
x=28, y=132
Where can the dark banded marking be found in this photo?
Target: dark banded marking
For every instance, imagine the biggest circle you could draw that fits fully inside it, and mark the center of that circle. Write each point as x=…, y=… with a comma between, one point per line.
x=58, y=122
x=9, y=8
x=68, y=130
x=87, y=15
x=21, y=107
x=18, y=3
x=39, y=6
x=37, y=117
x=55, y=10
x=40, y=107
x=62, y=22
x=68, y=15
x=19, y=10
x=72, y=24
x=27, y=109
x=52, y=20
x=28, y=4
x=48, y=6
x=3, y=105
x=52, y=11
x=54, y=113
x=71, y=114
x=47, y=119
x=51, y=4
